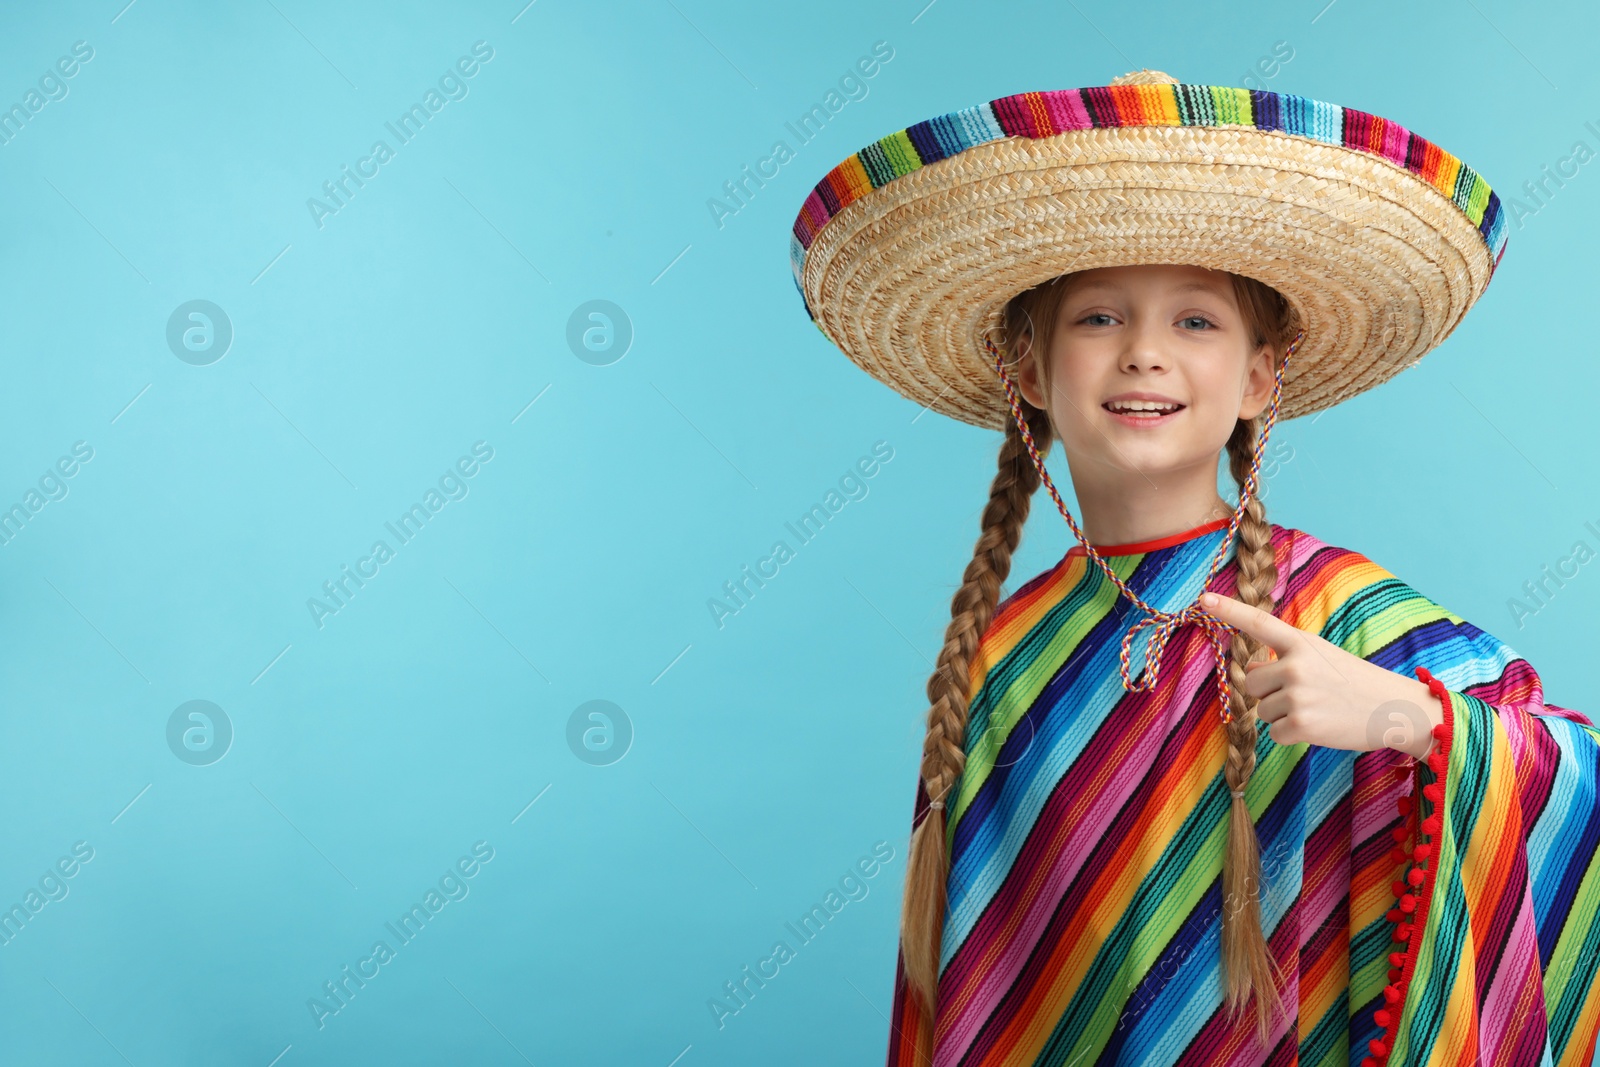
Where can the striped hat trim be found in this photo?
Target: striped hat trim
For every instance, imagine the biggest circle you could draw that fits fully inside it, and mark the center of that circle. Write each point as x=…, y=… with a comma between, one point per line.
x=1044, y=114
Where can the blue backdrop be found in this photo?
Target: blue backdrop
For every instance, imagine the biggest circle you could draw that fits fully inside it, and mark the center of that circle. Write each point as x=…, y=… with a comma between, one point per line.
x=388, y=404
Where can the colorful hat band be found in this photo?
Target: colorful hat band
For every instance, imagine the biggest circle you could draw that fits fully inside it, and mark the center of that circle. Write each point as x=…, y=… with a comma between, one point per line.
x=1044, y=114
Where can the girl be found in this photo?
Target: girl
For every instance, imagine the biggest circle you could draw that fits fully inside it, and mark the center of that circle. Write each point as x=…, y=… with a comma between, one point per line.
x=1208, y=790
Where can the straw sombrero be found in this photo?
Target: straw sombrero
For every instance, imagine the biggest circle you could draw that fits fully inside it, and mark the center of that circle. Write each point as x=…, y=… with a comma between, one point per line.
x=906, y=252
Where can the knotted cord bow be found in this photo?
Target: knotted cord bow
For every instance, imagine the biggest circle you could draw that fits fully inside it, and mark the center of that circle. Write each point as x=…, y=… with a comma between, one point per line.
x=1164, y=622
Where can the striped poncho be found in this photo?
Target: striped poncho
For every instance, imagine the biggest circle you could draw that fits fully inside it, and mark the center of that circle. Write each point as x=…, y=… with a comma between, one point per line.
x=1088, y=828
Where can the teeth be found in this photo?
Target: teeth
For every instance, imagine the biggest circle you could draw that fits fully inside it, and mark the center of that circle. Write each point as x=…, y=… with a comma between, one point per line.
x=1154, y=406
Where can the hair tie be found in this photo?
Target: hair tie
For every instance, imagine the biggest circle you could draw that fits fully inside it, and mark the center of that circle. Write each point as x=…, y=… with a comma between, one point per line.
x=1237, y=792
x=1219, y=632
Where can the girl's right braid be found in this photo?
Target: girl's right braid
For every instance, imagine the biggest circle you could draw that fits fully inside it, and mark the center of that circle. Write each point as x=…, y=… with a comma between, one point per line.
x=943, y=753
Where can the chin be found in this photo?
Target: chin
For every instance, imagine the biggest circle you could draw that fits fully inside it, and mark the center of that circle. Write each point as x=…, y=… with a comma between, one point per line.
x=1152, y=459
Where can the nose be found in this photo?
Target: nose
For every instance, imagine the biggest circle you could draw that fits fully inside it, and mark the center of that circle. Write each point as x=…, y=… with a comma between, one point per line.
x=1143, y=347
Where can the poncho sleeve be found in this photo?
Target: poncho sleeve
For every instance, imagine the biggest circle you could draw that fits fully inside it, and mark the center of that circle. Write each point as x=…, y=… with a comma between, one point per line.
x=1493, y=945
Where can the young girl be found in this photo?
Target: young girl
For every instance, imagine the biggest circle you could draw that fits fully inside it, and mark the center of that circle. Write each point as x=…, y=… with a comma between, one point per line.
x=1209, y=790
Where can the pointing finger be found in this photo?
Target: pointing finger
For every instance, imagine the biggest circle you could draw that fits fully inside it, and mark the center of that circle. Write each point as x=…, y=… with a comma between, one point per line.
x=1263, y=626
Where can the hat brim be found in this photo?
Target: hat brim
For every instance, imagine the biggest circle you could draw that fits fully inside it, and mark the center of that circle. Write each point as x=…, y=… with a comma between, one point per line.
x=1377, y=262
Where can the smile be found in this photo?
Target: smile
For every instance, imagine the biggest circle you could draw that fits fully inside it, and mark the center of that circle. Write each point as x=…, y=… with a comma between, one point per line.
x=1143, y=412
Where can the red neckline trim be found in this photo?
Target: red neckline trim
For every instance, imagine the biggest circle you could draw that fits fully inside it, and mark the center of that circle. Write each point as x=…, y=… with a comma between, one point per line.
x=1137, y=547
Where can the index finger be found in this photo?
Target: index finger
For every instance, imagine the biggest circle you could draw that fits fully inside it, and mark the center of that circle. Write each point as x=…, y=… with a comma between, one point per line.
x=1261, y=625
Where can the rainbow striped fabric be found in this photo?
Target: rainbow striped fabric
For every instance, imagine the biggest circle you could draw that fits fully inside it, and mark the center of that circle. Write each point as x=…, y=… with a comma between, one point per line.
x=1044, y=114
x=1088, y=828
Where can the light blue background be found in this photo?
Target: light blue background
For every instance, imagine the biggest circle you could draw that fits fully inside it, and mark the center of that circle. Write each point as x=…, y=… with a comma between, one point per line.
x=768, y=755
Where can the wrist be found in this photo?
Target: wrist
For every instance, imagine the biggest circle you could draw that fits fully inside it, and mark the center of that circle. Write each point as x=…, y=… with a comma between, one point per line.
x=1419, y=695
x=1436, y=703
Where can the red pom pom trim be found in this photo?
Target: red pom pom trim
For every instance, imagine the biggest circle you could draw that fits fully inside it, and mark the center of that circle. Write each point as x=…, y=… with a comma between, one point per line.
x=1414, y=891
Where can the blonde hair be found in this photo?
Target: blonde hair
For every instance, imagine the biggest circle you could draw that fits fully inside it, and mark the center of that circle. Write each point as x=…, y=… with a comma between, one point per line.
x=1248, y=966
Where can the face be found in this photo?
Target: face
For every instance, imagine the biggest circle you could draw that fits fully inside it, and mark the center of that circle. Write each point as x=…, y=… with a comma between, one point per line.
x=1150, y=368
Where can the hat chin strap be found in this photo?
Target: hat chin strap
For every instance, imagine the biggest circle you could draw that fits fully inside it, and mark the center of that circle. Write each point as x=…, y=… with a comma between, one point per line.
x=1165, y=622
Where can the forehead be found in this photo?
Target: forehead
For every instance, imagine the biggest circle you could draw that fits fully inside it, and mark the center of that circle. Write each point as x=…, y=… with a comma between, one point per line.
x=1152, y=280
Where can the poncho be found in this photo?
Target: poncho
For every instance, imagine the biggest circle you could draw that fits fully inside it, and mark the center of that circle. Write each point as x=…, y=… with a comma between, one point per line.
x=1088, y=828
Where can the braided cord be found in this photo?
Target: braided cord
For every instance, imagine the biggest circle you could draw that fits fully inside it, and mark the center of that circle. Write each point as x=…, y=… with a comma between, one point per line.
x=1164, y=622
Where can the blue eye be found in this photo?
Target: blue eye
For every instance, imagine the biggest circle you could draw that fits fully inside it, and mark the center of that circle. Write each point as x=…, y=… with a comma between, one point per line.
x=1204, y=322
x=1088, y=319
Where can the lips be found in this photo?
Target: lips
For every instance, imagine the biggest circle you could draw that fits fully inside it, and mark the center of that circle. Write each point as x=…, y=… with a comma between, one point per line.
x=1142, y=408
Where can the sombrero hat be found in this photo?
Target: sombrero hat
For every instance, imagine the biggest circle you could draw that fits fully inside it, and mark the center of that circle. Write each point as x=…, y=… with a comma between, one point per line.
x=906, y=252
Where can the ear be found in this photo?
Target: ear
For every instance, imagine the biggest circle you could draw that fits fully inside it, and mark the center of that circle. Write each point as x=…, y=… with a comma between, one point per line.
x=1027, y=375
x=1259, y=376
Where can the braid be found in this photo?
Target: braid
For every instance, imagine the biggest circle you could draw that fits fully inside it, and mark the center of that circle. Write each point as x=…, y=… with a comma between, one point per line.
x=1248, y=965
x=943, y=752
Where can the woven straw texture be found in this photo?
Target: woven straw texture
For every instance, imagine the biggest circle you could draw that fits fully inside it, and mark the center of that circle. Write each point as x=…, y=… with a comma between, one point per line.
x=1381, y=249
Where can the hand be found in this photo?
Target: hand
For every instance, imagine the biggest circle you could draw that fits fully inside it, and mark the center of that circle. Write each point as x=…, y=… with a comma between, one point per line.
x=1314, y=692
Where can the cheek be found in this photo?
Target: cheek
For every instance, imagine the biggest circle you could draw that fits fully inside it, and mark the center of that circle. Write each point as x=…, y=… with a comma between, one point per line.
x=1074, y=403
x=1219, y=387
x=1073, y=378
x=1214, y=426
x=1071, y=398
